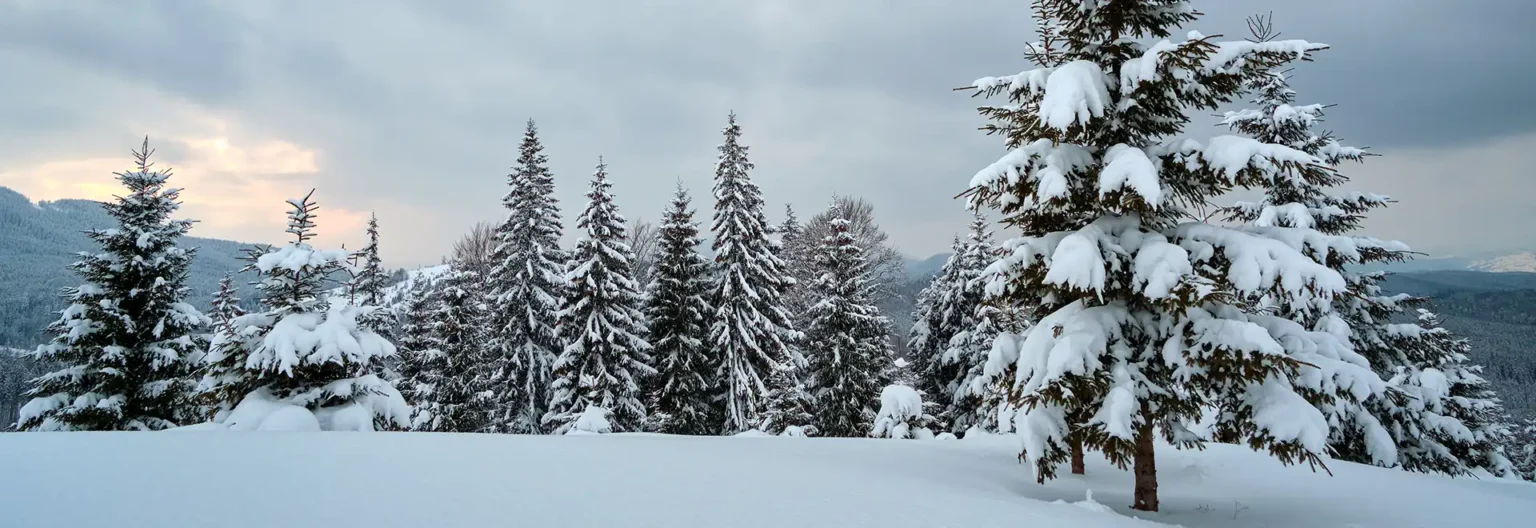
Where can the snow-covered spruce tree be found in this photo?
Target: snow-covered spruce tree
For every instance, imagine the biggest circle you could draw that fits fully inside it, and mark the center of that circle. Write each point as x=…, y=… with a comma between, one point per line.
x=1451, y=421
x=750, y=329
x=224, y=311
x=798, y=255
x=681, y=393
x=1520, y=446
x=125, y=342
x=787, y=404
x=526, y=289
x=454, y=376
x=601, y=323
x=1419, y=424
x=1144, y=313
x=226, y=302
x=847, y=342
x=415, y=344
x=368, y=285
x=302, y=351
x=935, y=321
x=980, y=323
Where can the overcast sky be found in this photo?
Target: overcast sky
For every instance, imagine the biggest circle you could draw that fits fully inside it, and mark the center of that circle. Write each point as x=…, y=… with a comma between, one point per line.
x=414, y=109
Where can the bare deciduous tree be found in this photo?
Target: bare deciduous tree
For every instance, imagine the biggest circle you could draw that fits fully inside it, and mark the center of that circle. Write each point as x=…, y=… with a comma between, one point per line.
x=475, y=247
x=643, y=238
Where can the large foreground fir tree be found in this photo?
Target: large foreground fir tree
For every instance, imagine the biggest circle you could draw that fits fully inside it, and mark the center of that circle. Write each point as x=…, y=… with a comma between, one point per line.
x=750, y=329
x=527, y=285
x=124, y=344
x=605, y=353
x=684, y=386
x=1147, y=316
x=847, y=342
x=1439, y=414
x=301, y=350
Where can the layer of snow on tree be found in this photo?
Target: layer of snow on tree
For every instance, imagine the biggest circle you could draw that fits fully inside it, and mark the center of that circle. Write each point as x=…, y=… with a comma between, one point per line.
x=594, y=420
x=412, y=480
x=900, y=406
x=1518, y=262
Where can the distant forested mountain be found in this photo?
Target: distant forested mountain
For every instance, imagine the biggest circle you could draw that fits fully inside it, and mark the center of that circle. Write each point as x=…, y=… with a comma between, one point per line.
x=1496, y=312
x=38, y=241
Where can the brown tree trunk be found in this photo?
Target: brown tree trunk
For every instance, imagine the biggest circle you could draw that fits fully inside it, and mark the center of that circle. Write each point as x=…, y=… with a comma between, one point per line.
x=1077, y=456
x=1146, y=468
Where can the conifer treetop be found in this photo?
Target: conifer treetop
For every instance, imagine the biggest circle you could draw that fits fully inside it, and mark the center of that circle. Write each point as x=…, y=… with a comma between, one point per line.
x=125, y=341
x=750, y=327
x=601, y=323
x=1102, y=190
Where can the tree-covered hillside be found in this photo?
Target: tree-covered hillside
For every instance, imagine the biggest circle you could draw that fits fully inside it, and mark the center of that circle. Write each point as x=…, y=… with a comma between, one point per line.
x=38, y=241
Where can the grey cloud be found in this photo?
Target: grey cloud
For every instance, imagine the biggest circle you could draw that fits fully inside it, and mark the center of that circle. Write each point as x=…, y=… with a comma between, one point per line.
x=186, y=47
x=423, y=104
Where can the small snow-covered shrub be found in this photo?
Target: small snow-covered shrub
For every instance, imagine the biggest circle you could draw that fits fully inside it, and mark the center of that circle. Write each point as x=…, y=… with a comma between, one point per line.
x=901, y=414
x=797, y=431
x=594, y=420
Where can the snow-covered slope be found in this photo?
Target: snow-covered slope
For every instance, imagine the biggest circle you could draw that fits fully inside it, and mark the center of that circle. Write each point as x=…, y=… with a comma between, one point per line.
x=1518, y=262
x=395, y=294
x=196, y=479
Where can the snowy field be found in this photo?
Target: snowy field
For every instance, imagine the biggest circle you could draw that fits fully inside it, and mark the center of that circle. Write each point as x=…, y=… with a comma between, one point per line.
x=229, y=479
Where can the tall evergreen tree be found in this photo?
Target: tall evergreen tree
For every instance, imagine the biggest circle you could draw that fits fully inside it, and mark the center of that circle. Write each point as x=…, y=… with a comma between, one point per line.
x=750, y=328
x=368, y=284
x=455, y=376
x=1439, y=416
x=302, y=350
x=848, y=340
x=601, y=323
x=965, y=356
x=1146, y=318
x=416, y=341
x=527, y=287
x=224, y=313
x=681, y=393
x=799, y=257
x=939, y=315
x=125, y=343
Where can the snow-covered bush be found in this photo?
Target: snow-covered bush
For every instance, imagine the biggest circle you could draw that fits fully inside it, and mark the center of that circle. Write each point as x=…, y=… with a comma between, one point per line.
x=901, y=414
x=593, y=420
x=301, y=350
x=796, y=431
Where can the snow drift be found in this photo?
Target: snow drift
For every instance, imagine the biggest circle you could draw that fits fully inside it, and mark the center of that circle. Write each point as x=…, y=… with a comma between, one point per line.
x=336, y=479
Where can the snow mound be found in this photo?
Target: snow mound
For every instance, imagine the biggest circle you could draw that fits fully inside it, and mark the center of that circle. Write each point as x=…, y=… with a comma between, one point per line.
x=411, y=480
x=594, y=420
x=261, y=411
x=290, y=418
x=901, y=414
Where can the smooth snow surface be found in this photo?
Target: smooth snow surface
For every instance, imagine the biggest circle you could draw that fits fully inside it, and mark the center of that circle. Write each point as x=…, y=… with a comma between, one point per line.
x=238, y=480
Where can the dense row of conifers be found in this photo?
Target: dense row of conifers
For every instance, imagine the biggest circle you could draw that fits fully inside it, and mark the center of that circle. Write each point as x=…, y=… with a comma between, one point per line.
x=1121, y=312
